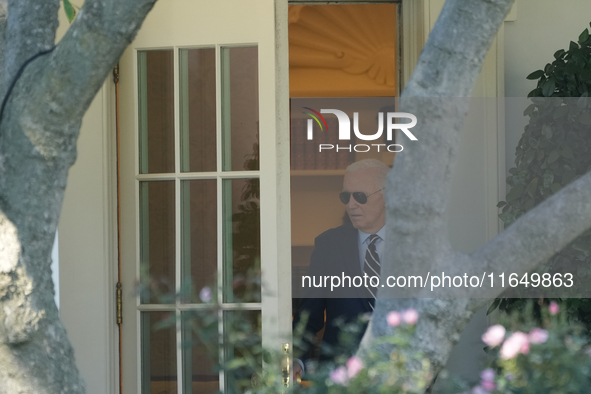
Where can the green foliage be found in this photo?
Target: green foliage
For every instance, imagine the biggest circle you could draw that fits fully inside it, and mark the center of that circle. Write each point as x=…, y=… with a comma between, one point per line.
x=569, y=75
x=391, y=367
x=554, y=150
x=246, y=234
x=380, y=371
x=70, y=11
x=559, y=362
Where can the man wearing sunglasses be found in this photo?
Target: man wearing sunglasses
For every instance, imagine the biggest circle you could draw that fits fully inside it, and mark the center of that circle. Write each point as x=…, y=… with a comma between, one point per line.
x=343, y=251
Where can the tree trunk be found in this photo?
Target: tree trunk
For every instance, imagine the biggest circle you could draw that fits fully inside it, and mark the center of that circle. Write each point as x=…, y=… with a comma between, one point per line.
x=419, y=185
x=39, y=127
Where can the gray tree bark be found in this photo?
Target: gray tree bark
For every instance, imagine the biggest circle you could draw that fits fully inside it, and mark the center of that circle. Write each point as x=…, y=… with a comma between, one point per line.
x=38, y=132
x=418, y=188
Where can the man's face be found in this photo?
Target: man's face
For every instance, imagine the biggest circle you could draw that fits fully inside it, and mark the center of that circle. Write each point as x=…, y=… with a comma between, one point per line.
x=371, y=216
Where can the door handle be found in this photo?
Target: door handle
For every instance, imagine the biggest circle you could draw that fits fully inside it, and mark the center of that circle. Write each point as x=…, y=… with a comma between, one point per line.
x=285, y=361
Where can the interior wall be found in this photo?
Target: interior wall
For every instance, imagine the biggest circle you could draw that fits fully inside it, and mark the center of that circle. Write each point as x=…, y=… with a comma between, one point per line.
x=86, y=285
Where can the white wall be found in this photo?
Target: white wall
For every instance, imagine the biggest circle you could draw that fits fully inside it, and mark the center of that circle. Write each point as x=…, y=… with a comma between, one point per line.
x=541, y=28
x=86, y=270
x=86, y=281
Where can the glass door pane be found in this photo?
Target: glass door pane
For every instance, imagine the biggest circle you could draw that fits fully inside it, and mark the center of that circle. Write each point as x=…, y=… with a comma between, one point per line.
x=200, y=352
x=199, y=236
x=242, y=240
x=197, y=85
x=156, y=111
x=240, y=108
x=159, y=369
x=157, y=240
x=200, y=244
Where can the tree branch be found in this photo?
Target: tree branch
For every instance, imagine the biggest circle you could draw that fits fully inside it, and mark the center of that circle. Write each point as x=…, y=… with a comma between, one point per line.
x=30, y=29
x=460, y=39
x=537, y=235
x=38, y=134
x=3, y=15
x=50, y=99
x=418, y=187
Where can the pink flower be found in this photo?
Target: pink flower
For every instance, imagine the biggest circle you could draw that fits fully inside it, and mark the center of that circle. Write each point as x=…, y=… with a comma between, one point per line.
x=488, y=386
x=479, y=390
x=515, y=344
x=537, y=336
x=205, y=294
x=339, y=376
x=410, y=316
x=354, y=365
x=393, y=319
x=488, y=375
x=553, y=308
x=494, y=335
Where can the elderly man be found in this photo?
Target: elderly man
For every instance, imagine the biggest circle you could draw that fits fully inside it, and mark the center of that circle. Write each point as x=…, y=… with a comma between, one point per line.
x=351, y=250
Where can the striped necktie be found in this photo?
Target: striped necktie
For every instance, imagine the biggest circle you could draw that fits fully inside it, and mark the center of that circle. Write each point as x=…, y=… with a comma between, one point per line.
x=371, y=266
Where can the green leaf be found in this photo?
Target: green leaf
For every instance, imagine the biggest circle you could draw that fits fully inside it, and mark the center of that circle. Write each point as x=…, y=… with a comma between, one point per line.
x=507, y=218
x=493, y=306
x=554, y=155
x=529, y=204
x=236, y=363
x=555, y=187
x=547, y=179
x=536, y=74
x=529, y=110
x=583, y=101
x=585, y=74
x=529, y=156
x=584, y=36
x=535, y=93
x=567, y=152
x=515, y=193
x=547, y=131
x=560, y=112
x=568, y=175
x=70, y=11
x=532, y=187
x=572, y=46
x=548, y=87
x=501, y=204
x=559, y=54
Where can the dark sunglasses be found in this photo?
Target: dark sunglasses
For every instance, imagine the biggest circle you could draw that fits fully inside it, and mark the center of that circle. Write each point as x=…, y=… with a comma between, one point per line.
x=360, y=197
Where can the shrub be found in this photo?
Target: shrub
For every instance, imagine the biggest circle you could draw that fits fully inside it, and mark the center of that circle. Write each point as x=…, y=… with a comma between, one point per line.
x=554, y=150
x=553, y=358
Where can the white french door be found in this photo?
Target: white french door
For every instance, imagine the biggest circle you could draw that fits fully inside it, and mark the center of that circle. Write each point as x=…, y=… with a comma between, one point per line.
x=204, y=190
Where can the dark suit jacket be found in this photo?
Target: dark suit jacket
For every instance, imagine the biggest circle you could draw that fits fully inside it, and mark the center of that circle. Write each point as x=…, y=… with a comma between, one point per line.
x=335, y=253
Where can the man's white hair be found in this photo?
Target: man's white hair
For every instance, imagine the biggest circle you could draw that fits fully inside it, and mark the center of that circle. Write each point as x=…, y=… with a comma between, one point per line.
x=382, y=170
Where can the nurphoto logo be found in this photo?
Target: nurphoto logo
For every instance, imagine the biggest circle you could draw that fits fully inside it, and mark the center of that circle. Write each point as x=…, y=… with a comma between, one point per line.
x=345, y=129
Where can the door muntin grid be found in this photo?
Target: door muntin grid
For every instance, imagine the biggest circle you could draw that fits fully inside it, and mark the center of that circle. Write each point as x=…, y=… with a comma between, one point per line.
x=199, y=222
